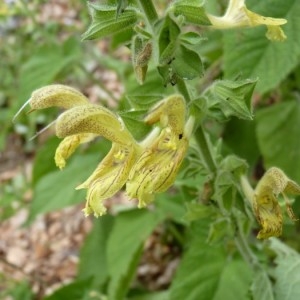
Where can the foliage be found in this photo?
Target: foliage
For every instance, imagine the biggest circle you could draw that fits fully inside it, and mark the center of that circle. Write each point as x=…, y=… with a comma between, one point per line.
x=242, y=90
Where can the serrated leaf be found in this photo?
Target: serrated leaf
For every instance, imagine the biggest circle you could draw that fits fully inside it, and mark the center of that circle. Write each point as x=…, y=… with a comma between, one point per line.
x=224, y=99
x=196, y=211
x=278, y=137
x=131, y=229
x=249, y=53
x=287, y=271
x=192, y=10
x=204, y=273
x=105, y=23
x=227, y=180
x=93, y=255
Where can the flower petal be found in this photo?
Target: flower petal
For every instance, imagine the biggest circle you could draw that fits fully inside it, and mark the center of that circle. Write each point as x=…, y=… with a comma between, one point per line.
x=67, y=147
x=108, y=178
x=93, y=119
x=156, y=169
x=268, y=214
x=265, y=202
x=56, y=95
x=170, y=112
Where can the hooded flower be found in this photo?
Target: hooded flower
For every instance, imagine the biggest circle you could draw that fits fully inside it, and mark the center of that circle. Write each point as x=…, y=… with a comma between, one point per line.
x=156, y=169
x=265, y=202
x=148, y=167
x=237, y=15
x=58, y=95
x=112, y=173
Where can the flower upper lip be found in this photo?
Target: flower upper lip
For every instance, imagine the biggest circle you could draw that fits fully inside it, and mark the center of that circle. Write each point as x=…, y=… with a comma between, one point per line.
x=238, y=15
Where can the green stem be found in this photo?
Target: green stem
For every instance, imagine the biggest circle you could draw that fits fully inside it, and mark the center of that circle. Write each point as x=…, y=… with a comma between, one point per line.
x=199, y=135
x=182, y=88
x=247, y=189
x=149, y=10
x=244, y=249
x=205, y=151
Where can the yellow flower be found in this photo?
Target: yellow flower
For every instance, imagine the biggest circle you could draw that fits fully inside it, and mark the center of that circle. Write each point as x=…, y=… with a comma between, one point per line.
x=112, y=173
x=58, y=95
x=237, y=15
x=265, y=202
x=147, y=167
x=156, y=169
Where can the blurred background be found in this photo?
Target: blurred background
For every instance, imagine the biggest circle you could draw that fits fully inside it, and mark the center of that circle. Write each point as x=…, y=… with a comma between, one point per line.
x=44, y=237
x=40, y=44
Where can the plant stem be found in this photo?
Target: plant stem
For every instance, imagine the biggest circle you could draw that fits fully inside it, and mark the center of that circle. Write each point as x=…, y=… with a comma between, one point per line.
x=199, y=134
x=149, y=10
x=204, y=149
x=182, y=88
x=247, y=188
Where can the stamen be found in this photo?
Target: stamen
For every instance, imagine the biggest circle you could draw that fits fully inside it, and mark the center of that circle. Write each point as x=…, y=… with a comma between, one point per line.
x=42, y=130
x=20, y=110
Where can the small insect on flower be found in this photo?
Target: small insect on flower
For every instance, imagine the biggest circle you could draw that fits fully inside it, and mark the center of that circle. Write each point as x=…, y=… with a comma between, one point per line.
x=265, y=203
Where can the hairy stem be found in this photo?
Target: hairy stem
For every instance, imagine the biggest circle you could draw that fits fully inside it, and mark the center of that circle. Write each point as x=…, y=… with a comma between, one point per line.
x=149, y=11
x=205, y=151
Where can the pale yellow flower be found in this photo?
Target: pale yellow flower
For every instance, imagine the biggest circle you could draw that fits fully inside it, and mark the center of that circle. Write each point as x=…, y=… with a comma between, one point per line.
x=237, y=15
x=156, y=169
x=265, y=203
x=112, y=173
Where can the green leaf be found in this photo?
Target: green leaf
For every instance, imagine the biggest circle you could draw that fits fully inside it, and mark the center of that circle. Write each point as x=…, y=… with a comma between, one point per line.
x=278, y=137
x=227, y=181
x=235, y=281
x=77, y=290
x=187, y=63
x=134, y=122
x=287, y=284
x=56, y=190
x=192, y=10
x=191, y=38
x=44, y=161
x=168, y=35
x=122, y=5
x=105, y=23
x=93, y=254
x=240, y=137
x=261, y=287
x=205, y=273
x=174, y=209
x=164, y=295
x=196, y=211
x=20, y=291
x=131, y=229
x=44, y=65
x=143, y=102
x=249, y=53
x=224, y=99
